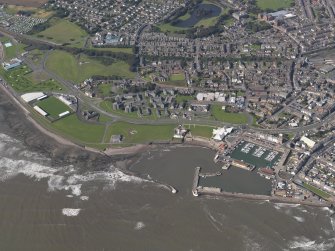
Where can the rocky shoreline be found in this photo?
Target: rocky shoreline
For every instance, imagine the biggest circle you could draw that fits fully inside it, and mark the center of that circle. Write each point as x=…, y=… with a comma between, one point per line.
x=15, y=122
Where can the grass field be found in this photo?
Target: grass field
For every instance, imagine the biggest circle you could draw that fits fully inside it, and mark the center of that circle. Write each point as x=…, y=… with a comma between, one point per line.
x=12, y=51
x=105, y=89
x=174, y=83
x=63, y=31
x=177, y=77
x=254, y=120
x=141, y=133
x=53, y=107
x=77, y=70
x=20, y=81
x=240, y=93
x=115, y=49
x=184, y=98
x=317, y=191
x=48, y=85
x=185, y=17
x=38, y=76
x=201, y=131
x=77, y=130
x=28, y=3
x=167, y=27
x=36, y=56
x=36, y=12
x=233, y=118
x=274, y=4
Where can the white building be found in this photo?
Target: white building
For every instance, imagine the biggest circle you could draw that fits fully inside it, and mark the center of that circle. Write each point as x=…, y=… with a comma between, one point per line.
x=310, y=143
x=220, y=133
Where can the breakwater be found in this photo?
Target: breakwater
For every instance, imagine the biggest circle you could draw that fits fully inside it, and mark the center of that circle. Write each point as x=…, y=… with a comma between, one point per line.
x=215, y=191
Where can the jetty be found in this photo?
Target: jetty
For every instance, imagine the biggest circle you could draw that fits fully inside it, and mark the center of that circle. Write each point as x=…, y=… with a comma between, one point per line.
x=196, y=181
x=205, y=175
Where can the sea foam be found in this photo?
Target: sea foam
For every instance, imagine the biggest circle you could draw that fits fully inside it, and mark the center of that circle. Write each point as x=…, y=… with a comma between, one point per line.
x=16, y=159
x=139, y=225
x=71, y=211
x=303, y=243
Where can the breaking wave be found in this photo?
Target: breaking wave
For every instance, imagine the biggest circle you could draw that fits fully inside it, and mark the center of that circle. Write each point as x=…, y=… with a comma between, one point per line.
x=303, y=243
x=16, y=160
x=299, y=219
x=139, y=225
x=71, y=211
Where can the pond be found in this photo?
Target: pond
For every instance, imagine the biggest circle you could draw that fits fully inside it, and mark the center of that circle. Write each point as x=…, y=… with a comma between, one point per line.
x=201, y=11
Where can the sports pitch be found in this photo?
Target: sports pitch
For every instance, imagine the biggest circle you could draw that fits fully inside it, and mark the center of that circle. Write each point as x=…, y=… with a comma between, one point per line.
x=53, y=107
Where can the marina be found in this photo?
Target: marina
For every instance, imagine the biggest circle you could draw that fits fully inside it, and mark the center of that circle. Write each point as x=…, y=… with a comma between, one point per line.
x=271, y=156
x=247, y=147
x=255, y=155
x=259, y=152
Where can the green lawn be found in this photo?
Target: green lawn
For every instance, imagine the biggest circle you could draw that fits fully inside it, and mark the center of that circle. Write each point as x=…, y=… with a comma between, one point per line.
x=48, y=85
x=255, y=47
x=38, y=76
x=36, y=56
x=141, y=133
x=63, y=31
x=77, y=130
x=174, y=83
x=274, y=4
x=116, y=49
x=36, y=12
x=317, y=191
x=53, y=107
x=20, y=79
x=184, y=98
x=254, y=120
x=77, y=69
x=185, y=17
x=240, y=93
x=105, y=89
x=103, y=118
x=202, y=131
x=177, y=77
x=167, y=27
x=233, y=118
x=12, y=51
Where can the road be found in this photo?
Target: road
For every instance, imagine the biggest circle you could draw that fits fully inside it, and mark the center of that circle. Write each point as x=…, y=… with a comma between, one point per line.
x=92, y=103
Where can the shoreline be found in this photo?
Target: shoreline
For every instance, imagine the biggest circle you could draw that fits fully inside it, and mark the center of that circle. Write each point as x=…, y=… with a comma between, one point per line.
x=129, y=152
x=109, y=151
